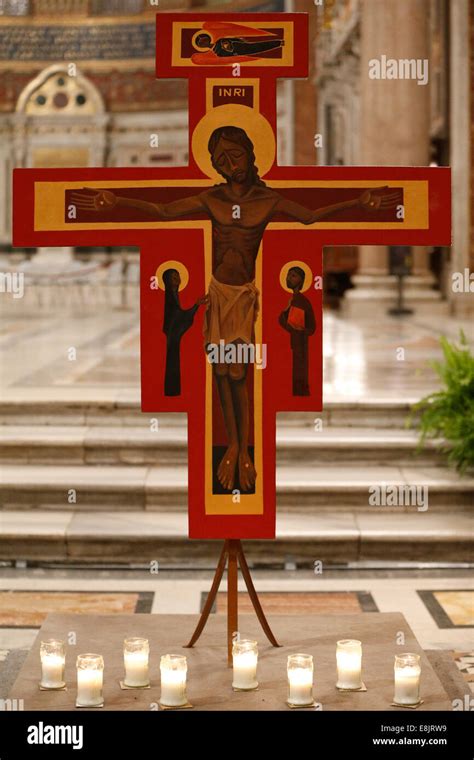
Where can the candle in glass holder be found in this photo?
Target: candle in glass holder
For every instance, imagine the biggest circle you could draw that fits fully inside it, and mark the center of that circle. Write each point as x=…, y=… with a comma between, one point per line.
x=135, y=656
x=349, y=664
x=173, y=669
x=300, y=679
x=407, y=679
x=90, y=678
x=53, y=660
x=245, y=658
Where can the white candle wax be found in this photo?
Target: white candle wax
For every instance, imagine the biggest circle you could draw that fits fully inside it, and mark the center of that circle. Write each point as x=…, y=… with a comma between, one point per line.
x=349, y=668
x=245, y=670
x=136, y=668
x=52, y=671
x=301, y=686
x=173, y=687
x=89, y=687
x=407, y=685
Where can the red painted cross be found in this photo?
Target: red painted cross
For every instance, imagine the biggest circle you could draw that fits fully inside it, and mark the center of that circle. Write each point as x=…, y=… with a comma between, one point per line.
x=253, y=243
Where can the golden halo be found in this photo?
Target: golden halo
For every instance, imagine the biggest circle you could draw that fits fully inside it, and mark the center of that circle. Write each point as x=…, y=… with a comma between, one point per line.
x=256, y=126
x=179, y=266
x=201, y=49
x=308, y=275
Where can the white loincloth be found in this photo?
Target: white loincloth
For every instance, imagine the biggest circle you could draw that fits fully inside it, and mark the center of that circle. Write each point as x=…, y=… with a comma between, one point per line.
x=231, y=312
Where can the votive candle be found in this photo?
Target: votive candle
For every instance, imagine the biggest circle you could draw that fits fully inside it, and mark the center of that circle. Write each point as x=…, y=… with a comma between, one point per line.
x=245, y=659
x=90, y=678
x=349, y=664
x=136, y=653
x=407, y=672
x=173, y=668
x=300, y=679
x=53, y=660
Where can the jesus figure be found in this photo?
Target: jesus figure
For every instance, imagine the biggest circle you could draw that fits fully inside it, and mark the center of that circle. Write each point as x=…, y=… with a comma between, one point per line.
x=240, y=209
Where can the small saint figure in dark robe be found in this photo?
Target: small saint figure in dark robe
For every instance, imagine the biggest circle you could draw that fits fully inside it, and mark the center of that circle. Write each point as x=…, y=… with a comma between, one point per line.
x=298, y=319
x=175, y=323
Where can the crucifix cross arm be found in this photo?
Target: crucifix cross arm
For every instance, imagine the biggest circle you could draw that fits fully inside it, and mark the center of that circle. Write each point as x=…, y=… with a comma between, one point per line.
x=106, y=200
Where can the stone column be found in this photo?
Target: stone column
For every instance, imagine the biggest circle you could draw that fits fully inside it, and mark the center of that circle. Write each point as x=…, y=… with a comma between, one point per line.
x=462, y=150
x=395, y=114
x=305, y=110
x=394, y=128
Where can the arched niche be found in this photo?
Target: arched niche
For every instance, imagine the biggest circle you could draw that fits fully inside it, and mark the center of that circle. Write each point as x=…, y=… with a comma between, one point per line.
x=60, y=120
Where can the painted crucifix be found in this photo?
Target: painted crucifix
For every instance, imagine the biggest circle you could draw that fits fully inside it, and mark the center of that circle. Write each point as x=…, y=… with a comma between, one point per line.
x=235, y=233
x=240, y=209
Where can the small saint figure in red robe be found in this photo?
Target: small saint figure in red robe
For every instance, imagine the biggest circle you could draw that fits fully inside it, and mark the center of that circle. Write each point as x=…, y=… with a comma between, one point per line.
x=298, y=319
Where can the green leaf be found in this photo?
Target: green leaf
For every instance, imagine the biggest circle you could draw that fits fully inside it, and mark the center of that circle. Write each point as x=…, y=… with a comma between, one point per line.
x=449, y=412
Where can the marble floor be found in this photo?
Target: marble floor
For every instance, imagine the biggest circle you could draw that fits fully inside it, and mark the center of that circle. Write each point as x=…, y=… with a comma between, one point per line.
x=439, y=606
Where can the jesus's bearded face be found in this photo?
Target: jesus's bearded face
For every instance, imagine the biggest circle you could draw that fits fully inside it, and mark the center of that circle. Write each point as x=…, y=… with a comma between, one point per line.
x=231, y=160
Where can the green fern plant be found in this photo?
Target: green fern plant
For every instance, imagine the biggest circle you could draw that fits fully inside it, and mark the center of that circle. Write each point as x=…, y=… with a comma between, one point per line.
x=449, y=413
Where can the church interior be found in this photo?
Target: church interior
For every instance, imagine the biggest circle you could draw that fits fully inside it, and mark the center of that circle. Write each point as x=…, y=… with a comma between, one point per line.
x=93, y=495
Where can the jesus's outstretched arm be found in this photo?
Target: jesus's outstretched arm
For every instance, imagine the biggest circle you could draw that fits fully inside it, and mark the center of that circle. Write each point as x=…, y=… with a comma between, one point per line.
x=105, y=200
x=372, y=200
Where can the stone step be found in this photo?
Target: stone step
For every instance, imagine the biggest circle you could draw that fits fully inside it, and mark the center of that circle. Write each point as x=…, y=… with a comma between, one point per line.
x=105, y=407
x=87, y=487
x=118, y=537
x=412, y=296
x=373, y=295
x=71, y=444
x=372, y=302
x=48, y=444
x=390, y=282
x=347, y=445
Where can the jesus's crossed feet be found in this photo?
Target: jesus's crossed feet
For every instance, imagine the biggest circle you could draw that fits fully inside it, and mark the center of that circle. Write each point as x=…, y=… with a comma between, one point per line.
x=228, y=465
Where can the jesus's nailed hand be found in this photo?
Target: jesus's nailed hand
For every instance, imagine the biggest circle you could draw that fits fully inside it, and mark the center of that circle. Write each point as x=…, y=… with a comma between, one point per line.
x=104, y=200
x=380, y=198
